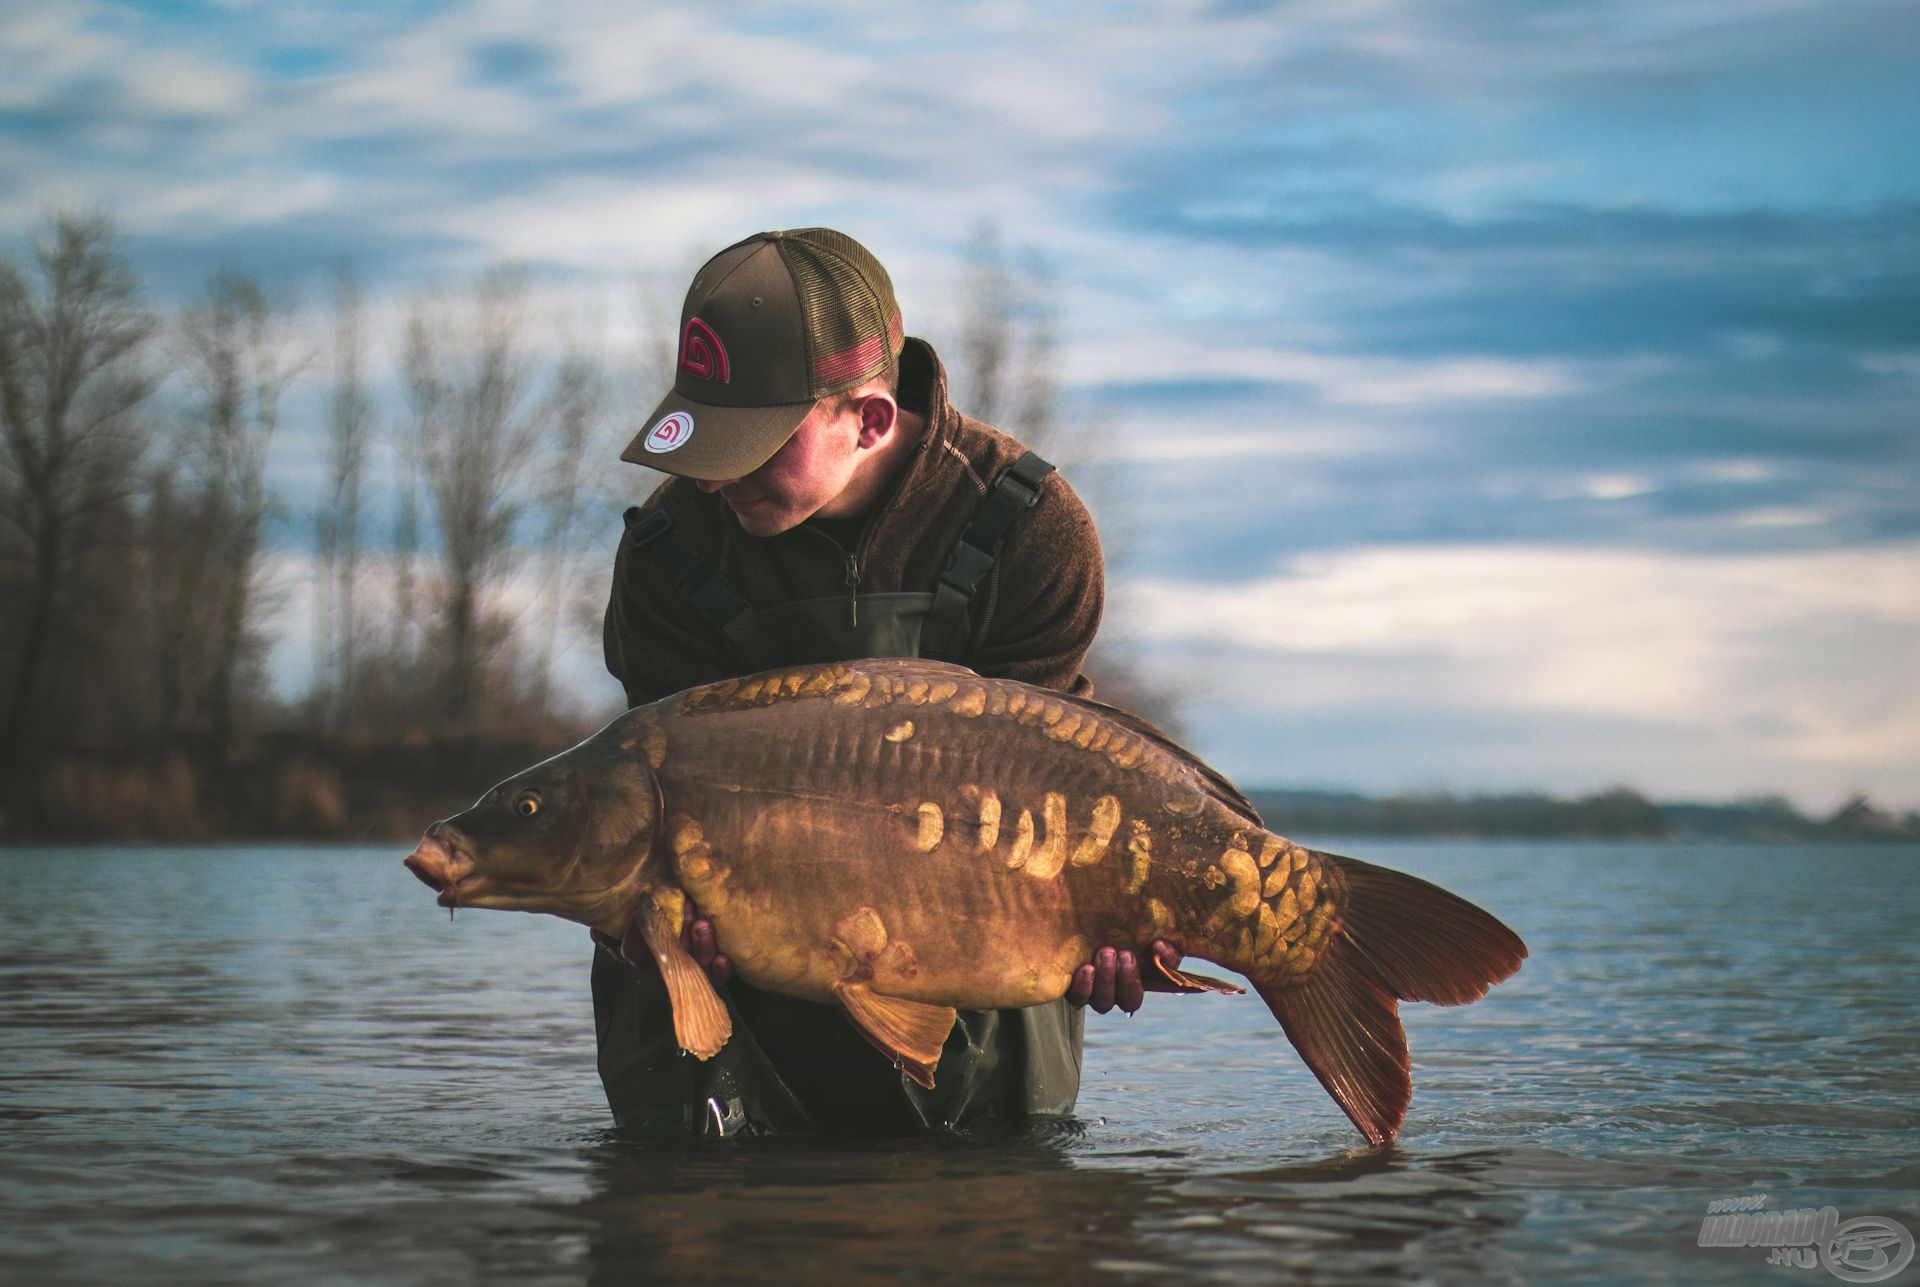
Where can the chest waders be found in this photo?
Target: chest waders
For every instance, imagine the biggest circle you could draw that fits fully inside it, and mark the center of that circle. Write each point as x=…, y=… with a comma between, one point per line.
x=793, y=1065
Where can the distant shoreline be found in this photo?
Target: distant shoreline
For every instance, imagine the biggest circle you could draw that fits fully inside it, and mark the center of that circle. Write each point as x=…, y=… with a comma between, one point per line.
x=293, y=788
x=1619, y=814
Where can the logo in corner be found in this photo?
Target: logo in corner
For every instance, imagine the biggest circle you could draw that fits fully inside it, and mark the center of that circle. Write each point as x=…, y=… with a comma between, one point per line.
x=669, y=432
x=1867, y=1249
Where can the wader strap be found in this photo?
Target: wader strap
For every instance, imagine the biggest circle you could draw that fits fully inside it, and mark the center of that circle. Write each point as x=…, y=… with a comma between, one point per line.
x=1016, y=490
x=649, y=528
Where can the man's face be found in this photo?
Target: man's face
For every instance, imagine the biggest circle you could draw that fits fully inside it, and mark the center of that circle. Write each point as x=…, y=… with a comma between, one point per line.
x=810, y=470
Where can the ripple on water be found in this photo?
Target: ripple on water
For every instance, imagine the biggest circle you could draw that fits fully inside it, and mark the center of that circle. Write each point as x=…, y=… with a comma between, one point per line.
x=230, y=1065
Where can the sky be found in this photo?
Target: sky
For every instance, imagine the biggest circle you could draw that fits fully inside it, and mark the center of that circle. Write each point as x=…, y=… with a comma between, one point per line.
x=1493, y=395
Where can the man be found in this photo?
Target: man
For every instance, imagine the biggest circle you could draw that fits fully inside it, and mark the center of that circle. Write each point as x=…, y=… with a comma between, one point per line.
x=829, y=503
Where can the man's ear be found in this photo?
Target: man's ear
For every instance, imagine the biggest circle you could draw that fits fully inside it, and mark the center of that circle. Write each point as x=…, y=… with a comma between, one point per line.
x=878, y=414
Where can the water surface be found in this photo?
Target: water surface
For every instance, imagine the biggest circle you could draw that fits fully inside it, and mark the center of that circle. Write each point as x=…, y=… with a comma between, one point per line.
x=237, y=1064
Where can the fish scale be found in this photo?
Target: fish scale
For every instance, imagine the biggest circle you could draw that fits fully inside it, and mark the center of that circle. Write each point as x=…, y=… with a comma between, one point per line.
x=900, y=838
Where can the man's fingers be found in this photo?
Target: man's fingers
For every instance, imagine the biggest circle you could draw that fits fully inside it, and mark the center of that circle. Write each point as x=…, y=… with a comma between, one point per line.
x=1080, y=987
x=1127, y=992
x=1155, y=979
x=700, y=944
x=705, y=950
x=1114, y=978
x=1104, y=962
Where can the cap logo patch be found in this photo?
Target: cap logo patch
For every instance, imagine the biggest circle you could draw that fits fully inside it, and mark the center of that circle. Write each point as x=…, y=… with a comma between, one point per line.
x=669, y=432
x=702, y=353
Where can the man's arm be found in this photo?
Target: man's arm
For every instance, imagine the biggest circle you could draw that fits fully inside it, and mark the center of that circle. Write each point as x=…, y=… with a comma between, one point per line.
x=1039, y=609
x=655, y=642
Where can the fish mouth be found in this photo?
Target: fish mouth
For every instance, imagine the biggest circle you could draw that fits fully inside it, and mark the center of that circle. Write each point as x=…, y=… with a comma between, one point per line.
x=440, y=868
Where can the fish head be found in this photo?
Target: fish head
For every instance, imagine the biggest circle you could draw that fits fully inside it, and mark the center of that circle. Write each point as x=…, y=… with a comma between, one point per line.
x=572, y=836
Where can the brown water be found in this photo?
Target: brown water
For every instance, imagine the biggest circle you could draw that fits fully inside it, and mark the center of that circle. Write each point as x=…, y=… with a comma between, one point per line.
x=242, y=1064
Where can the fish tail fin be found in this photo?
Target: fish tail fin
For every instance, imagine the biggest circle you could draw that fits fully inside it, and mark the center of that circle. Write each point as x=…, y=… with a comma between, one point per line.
x=1401, y=939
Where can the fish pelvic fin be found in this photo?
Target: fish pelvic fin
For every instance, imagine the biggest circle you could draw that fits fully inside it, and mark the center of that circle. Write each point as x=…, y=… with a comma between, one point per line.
x=1401, y=939
x=701, y=1025
x=910, y=1033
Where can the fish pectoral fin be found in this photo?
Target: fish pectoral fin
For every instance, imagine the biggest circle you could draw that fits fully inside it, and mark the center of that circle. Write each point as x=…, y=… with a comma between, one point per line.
x=1170, y=979
x=910, y=1033
x=700, y=1021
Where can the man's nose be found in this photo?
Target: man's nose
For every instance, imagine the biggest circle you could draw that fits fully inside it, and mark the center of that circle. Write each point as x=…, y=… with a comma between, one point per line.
x=712, y=485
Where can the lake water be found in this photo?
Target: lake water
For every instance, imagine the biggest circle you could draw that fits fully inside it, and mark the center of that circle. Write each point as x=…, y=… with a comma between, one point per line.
x=238, y=1065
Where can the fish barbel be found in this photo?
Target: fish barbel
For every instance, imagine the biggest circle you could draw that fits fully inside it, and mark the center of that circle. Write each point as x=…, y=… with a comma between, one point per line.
x=902, y=838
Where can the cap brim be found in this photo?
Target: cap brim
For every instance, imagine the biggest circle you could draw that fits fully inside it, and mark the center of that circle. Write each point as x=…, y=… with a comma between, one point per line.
x=712, y=442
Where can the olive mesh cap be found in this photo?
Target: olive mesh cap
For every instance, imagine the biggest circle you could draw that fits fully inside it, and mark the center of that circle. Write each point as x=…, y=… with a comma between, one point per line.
x=771, y=325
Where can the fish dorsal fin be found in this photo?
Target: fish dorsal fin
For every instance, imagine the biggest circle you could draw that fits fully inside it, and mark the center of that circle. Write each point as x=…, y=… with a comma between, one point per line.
x=913, y=666
x=1216, y=784
x=910, y=1033
x=1226, y=792
x=700, y=1021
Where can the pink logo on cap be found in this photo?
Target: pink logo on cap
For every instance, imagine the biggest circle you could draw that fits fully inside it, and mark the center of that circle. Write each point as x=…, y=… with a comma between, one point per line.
x=702, y=353
x=669, y=431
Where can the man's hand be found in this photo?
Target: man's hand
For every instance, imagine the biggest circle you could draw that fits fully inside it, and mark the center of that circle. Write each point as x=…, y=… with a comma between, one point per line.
x=1113, y=978
x=696, y=935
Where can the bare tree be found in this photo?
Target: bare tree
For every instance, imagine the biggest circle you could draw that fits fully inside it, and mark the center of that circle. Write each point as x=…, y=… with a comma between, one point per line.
x=989, y=301
x=338, y=530
x=240, y=352
x=71, y=379
x=574, y=408
x=1009, y=374
x=477, y=429
x=402, y=646
x=179, y=543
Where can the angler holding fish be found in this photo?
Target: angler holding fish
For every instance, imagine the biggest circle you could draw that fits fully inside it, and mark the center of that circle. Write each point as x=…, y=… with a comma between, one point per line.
x=922, y=858
x=830, y=503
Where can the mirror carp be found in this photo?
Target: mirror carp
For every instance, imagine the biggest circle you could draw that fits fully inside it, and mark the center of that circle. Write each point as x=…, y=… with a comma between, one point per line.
x=902, y=838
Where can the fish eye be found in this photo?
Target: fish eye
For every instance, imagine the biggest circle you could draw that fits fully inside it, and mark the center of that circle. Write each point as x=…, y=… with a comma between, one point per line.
x=527, y=803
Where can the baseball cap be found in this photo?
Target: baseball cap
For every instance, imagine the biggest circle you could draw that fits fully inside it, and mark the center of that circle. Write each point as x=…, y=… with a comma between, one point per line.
x=771, y=325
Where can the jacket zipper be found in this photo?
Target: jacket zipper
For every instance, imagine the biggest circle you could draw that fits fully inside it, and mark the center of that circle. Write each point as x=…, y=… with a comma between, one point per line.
x=851, y=580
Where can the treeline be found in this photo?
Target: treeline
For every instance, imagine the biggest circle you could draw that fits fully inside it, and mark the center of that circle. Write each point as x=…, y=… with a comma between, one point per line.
x=1612, y=815
x=135, y=552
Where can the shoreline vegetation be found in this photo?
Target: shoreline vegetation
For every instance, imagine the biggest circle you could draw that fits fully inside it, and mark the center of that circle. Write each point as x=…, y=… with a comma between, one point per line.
x=297, y=786
x=1618, y=814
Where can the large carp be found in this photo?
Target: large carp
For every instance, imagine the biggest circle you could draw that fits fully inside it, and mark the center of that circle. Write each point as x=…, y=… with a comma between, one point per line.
x=906, y=837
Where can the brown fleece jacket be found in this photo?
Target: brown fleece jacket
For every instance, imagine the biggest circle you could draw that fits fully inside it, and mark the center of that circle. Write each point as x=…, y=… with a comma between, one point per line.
x=1034, y=617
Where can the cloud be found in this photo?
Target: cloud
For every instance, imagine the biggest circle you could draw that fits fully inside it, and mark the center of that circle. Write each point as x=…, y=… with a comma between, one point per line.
x=1795, y=665
x=1364, y=380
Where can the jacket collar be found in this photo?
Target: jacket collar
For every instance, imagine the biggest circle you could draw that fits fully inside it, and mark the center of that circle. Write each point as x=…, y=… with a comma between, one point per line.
x=923, y=388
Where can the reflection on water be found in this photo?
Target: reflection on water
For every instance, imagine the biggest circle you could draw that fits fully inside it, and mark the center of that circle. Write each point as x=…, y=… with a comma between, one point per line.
x=228, y=1065
x=1017, y=1206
